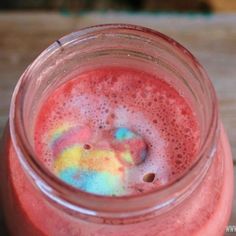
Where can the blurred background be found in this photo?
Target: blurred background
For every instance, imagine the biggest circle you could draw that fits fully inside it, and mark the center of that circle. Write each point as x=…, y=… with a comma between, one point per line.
x=133, y=5
x=206, y=27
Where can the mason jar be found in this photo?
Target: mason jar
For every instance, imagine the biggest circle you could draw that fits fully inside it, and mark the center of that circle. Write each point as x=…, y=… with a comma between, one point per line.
x=37, y=203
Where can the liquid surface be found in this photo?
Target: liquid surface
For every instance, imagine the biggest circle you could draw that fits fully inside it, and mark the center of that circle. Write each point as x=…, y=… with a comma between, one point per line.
x=116, y=131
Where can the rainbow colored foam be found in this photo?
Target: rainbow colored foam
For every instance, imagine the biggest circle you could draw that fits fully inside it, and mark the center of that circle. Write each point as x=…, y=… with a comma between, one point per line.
x=83, y=161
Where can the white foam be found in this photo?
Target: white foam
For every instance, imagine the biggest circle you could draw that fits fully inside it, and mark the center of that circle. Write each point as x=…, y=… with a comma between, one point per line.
x=96, y=109
x=156, y=145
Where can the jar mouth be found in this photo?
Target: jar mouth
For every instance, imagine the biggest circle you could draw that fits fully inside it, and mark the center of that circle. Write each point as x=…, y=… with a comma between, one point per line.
x=119, y=206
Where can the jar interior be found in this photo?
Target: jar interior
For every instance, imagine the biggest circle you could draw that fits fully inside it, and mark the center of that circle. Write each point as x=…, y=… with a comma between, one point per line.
x=131, y=47
x=75, y=55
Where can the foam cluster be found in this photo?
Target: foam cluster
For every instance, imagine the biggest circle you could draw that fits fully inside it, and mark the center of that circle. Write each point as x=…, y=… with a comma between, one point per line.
x=96, y=162
x=116, y=131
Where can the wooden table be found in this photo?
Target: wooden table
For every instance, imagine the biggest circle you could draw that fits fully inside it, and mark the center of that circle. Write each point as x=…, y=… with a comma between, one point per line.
x=212, y=38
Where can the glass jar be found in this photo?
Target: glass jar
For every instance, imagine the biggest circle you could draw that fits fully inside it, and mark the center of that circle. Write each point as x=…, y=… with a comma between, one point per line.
x=37, y=203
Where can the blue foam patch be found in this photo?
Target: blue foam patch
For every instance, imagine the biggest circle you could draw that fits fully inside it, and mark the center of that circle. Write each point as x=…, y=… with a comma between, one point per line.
x=123, y=133
x=102, y=183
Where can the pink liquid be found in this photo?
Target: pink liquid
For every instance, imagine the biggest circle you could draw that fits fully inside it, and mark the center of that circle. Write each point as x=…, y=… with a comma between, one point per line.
x=90, y=109
x=169, y=127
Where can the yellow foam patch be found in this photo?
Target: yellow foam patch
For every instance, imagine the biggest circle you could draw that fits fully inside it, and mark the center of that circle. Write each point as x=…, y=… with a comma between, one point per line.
x=95, y=160
x=126, y=156
x=69, y=157
x=100, y=160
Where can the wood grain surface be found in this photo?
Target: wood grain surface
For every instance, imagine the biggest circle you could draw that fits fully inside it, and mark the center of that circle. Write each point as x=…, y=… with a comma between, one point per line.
x=211, y=38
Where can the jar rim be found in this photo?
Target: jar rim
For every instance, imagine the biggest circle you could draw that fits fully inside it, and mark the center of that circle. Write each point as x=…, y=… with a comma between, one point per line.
x=64, y=194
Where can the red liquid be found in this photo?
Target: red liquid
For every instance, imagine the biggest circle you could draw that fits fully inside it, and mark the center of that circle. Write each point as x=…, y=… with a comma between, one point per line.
x=106, y=99
x=167, y=123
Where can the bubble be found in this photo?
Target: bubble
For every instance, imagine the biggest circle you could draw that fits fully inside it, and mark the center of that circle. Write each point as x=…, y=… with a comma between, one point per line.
x=87, y=146
x=149, y=177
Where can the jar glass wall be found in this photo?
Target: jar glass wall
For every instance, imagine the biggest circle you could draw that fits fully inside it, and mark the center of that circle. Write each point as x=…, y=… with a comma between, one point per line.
x=198, y=202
